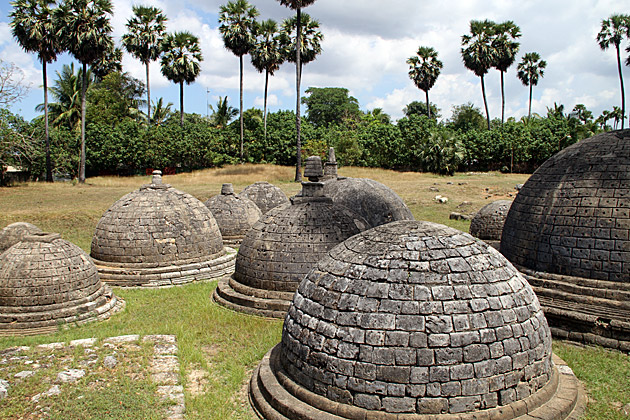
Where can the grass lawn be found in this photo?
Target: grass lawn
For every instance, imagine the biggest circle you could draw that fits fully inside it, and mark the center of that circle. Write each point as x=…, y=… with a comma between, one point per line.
x=219, y=348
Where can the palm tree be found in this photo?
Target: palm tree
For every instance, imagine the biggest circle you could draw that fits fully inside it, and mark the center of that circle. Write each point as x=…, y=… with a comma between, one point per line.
x=66, y=92
x=478, y=54
x=110, y=62
x=614, y=29
x=85, y=30
x=144, y=38
x=602, y=120
x=181, y=62
x=505, y=48
x=617, y=115
x=34, y=27
x=267, y=56
x=530, y=70
x=297, y=5
x=424, y=70
x=223, y=114
x=238, y=24
x=161, y=112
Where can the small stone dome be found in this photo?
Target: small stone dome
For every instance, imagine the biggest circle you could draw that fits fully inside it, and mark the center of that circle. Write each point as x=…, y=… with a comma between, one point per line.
x=46, y=282
x=159, y=236
x=415, y=318
x=13, y=233
x=376, y=202
x=265, y=195
x=235, y=215
x=568, y=231
x=488, y=222
x=282, y=247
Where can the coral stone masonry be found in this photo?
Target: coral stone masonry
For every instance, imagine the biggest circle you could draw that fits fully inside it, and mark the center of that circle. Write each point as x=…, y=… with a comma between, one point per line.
x=568, y=232
x=159, y=236
x=284, y=245
x=413, y=318
x=489, y=220
x=265, y=195
x=47, y=282
x=12, y=234
x=234, y=214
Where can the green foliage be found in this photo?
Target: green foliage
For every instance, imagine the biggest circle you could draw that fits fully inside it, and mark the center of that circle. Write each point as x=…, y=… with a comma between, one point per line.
x=310, y=40
x=420, y=108
x=466, y=117
x=331, y=105
x=115, y=99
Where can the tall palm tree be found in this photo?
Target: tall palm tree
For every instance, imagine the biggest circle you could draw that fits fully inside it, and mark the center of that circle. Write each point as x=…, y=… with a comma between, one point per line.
x=223, y=114
x=85, y=29
x=143, y=40
x=424, y=70
x=110, y=62
x=530, y=70
x=613, y=31
x=237, y=25
x=181, y=62
x=34, y=27
x=505, y=48
x=267, y=55
x=478, y=53
x=297, y=5
x=617, y=115
x=66, y=93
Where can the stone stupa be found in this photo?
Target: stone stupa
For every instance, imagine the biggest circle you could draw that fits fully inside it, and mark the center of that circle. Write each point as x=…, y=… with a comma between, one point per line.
x=487, y=224
x=265, y=195
x=14, y=233
x=159, y=236
x=284, y=245
x=47, y=283
x=234, y=214
x=568, y=231
x=377, y=203
x=415, y=321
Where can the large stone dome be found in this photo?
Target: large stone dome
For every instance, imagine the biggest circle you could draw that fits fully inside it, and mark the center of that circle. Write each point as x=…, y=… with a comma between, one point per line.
x=488, y=221
x=159, y=236
x=568, y=231
x=282, y=247
x=46, y=282
x=265, y=195
x=376, y=202
x=13, y=233
x=234, y=214
x=415, y=318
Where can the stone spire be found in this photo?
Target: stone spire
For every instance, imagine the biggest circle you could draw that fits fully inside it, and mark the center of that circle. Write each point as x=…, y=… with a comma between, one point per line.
x=227, y=189
x=313, y=188
x=157, y=178
x=330, y=168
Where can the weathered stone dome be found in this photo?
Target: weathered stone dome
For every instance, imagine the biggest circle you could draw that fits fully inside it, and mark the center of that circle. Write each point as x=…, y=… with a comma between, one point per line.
x=282, y=247
x=376, y=202
x=488, y=221
x=265, y=195
x=235, y=215
x=568, y=231
x=13, y=233
x=159, y=236
x=416, y=318
x=46, y=282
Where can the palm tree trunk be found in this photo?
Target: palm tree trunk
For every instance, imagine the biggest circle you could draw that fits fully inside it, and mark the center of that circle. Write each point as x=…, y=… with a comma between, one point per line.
x=298, y=80
x=181, y=103
x=148, y=96
x=485, y=101
x=83, y=106
x=529, y=114
x=49, y=177
x=265, y=111
x=241, y=108
x=623, y=94
x=503, y=101
x=426, y=92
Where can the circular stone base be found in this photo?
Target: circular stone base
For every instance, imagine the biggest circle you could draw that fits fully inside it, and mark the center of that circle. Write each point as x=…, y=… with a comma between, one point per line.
x=274, y=396
x=241, y=298
x=49, y=319
x=584, y=310
x=174, y=274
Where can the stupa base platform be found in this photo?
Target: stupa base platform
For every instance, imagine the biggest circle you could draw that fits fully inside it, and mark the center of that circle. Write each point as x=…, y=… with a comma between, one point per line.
x=241, y=298
x=275, y=396
x=174, y=274
x=48, y=319
x=584, y=310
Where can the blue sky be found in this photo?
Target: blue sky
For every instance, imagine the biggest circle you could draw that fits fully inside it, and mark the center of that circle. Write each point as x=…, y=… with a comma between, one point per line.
x=365, y=48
